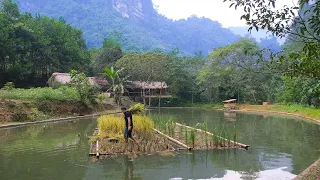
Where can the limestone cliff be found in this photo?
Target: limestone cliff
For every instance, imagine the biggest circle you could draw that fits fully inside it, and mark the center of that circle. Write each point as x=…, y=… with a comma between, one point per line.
x=133, y=8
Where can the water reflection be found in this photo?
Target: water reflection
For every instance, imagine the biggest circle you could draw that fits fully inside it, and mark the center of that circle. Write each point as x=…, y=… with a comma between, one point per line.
x=230, y=116
x=280, y=148
x=281, y=140
x=128, y=173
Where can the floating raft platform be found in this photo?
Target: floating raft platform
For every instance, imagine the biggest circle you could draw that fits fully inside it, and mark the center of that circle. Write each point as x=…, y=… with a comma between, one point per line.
x=210, y=134
x=160, y=143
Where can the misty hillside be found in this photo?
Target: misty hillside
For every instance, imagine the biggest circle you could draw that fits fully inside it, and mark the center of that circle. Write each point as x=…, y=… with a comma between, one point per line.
x=141, y=27
x=257, y=35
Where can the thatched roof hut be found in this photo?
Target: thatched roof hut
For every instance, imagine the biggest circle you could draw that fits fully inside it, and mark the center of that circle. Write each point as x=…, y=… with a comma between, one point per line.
x=58, y=79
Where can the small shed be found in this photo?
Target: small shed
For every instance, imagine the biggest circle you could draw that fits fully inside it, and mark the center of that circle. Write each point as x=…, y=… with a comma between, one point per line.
x=230, y=104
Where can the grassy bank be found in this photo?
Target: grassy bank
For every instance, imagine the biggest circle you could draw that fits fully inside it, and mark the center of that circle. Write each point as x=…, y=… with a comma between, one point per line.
x=41, y=94
x=25, y=105
x=298, y=110
x=293, y=109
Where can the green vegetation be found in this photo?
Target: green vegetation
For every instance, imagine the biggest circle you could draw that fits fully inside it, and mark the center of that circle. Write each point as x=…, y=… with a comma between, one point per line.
x=41, y=94
x=32, y=48
x=137, y=109
x=111, y=126
x=117, y=83
x=221, y=137
x=304, y=29
x=81, y=83
x=192, y=137
x=242, y=70
x=145, y=30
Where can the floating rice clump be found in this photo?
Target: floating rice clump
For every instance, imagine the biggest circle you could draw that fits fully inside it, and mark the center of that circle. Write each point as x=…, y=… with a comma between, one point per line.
x=112, y=126
x=111, y=136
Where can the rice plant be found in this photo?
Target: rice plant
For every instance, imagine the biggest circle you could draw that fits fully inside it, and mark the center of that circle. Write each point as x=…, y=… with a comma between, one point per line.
x=137, y=109
x=192, y=137
x=235, y=136
x=181, y=130
x=186, y=135
x=171, y=125
x=205, y=125
x=229, y=137
x=111, y=126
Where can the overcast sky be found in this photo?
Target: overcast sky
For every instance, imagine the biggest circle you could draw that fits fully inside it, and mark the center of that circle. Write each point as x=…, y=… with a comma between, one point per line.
x=213, y=9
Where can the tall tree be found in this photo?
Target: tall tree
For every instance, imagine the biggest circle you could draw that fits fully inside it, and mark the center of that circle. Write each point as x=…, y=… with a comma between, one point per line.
x=32, y=48
x=300, y=22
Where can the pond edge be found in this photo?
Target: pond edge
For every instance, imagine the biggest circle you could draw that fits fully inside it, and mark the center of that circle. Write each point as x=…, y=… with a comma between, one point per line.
x=307, y=171
x=54, y=120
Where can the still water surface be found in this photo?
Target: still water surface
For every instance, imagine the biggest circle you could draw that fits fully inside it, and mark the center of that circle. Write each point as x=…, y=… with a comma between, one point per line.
x=281, y=147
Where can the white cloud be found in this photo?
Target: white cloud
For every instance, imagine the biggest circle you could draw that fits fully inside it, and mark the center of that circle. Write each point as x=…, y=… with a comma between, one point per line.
x=216, y=10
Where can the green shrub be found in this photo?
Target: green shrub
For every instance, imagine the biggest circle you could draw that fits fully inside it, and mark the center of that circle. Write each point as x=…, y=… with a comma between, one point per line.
x=101, y=98
x=8, y=86
x=81, y=83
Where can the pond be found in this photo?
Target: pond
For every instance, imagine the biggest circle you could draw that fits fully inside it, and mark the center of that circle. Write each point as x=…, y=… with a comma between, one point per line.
x=281, y=147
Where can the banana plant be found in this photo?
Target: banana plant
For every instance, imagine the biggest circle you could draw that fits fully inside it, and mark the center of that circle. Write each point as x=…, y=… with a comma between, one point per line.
x=117, y=83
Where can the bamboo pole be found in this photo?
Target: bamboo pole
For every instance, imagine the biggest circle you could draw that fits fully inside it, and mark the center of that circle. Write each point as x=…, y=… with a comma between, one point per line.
x=97, y=144
x=97, y=149
x=239, y=144
x=173, y=140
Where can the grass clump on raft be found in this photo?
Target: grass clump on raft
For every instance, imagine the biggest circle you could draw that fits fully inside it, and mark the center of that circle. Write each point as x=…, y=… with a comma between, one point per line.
x=111, y=136
x=204, y=140
x=220, y=138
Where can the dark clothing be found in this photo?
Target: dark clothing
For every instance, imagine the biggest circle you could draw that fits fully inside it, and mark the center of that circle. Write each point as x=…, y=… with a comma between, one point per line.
x=127, y=132
x=127, y=115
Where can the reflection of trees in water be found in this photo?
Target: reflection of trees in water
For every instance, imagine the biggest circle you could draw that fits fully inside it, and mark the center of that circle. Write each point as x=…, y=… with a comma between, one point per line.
x=236, y=160
x=46, y=137
x=47, y=130
x=279, y=134
x=270, y=134
x=128, y=173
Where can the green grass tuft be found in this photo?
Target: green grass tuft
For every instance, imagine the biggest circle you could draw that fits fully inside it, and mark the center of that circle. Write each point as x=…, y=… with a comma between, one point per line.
x=41, y=94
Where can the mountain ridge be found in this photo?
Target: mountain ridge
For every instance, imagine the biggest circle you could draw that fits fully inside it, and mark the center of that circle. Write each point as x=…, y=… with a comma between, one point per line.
x=141, y=27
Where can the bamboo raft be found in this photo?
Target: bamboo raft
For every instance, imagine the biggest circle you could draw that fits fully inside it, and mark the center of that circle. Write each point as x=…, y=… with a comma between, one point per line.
x=172, y=144
x=199, y=130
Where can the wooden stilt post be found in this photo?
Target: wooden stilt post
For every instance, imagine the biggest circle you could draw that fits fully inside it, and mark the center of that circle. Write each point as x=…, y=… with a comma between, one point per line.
x=160, y=95
x=144, y=95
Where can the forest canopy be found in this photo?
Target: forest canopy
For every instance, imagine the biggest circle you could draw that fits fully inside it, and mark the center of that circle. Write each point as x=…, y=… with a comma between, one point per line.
x=33, y=47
